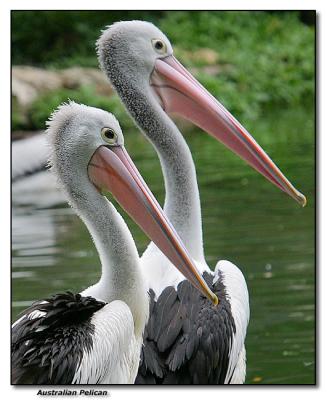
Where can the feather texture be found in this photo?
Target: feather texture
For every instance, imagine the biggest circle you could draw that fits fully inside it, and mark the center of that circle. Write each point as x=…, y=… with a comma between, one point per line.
x=188, y=340
x=49, y=340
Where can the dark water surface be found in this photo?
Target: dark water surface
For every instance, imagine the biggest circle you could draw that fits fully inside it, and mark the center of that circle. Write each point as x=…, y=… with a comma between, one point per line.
x=246, y=220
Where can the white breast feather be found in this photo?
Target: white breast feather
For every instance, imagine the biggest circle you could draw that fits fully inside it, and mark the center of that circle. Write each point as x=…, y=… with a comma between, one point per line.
x=159, y=272
x=115, y=354
x=238, y=296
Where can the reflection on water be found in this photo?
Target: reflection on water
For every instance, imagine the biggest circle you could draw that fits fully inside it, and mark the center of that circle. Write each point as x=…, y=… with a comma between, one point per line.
x=246, y=220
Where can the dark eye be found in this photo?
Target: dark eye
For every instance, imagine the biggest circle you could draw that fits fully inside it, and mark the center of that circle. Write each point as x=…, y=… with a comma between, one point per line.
x=109, y=135
x=159, y=46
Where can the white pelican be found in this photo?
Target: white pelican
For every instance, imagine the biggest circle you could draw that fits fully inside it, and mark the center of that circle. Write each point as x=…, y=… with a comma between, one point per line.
x=186, y=339
x=30, y=155
x=31, y=183
x=96, y=336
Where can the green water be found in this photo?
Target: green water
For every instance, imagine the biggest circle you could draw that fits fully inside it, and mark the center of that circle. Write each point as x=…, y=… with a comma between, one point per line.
x=246, y=220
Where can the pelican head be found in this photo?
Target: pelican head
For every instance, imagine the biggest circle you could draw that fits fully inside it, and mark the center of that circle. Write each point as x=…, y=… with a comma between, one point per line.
x=89, y=159
x=75, y=132
x=130, y=49
x=138, y=59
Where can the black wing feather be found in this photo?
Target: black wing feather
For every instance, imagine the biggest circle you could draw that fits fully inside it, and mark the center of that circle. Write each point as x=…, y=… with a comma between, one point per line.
x=187, y=340
x=48, y=349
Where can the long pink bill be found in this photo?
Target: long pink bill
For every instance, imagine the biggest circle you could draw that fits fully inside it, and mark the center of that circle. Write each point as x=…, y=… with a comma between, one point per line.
x=111, y=169
x=179, y=92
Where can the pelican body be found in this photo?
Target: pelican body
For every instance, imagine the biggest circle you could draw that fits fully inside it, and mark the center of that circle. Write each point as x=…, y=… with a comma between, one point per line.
x=96, y=336
x=186, y=340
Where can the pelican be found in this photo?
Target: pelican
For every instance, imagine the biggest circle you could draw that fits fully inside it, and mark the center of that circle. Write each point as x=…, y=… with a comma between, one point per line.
x=30, y=155
x=186, y=340
x=31, y=182
x=95, y=336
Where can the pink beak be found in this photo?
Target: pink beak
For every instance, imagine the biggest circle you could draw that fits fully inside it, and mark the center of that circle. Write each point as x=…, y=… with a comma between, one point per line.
x=179, y=92
x=111, y=169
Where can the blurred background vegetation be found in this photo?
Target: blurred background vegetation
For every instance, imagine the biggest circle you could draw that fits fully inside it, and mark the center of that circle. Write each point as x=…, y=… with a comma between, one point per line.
x=250, y=61
x=261, y=66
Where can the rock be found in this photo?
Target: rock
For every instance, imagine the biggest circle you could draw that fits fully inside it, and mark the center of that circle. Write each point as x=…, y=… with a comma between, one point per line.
x=75, y=77
x=40, y=79
x=23, y=92
x=30, y=82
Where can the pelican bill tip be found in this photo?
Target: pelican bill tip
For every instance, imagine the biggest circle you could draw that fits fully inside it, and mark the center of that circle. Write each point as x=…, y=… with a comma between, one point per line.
x=302, y=199
x=214, y=299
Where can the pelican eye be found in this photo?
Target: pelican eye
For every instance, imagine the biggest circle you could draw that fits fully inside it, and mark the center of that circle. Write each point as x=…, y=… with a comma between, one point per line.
x=159, y=46
x=109, y=135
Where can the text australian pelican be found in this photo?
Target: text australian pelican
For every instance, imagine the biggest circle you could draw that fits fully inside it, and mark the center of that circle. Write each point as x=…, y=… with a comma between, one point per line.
x=186, y=339
x=96, y=336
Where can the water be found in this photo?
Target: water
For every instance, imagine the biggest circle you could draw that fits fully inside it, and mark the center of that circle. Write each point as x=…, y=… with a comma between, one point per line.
x=246, y=220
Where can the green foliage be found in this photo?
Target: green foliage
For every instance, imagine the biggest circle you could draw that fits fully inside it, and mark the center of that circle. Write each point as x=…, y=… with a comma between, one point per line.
x=18, y=121
x=269, y=57
x=45, y=105
x=63, y=38
x=264, y=59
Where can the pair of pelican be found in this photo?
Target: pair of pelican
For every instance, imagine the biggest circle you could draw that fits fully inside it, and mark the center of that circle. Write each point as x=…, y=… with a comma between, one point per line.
x=164, y=317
